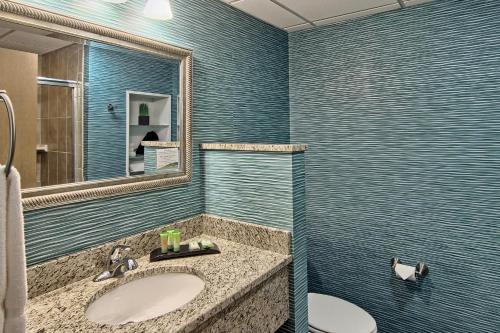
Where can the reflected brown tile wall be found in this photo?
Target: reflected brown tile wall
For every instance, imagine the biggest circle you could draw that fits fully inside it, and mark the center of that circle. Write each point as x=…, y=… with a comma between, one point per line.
x=56, y=115
x=56, y=130
x=63, y=64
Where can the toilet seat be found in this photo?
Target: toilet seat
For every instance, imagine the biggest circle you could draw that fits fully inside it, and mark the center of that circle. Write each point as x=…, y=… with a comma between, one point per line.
x=328, y=314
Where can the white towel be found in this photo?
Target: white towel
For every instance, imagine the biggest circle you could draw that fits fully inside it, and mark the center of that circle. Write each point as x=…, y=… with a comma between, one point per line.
x=3, y=244
x=13, y=287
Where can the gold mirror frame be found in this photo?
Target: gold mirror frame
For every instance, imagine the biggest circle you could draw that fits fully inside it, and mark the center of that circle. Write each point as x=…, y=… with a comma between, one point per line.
x=42, y=197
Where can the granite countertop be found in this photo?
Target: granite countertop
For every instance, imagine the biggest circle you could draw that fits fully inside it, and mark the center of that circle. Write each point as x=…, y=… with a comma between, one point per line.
x=254, y=147
x=228, y=276
x=161, y=144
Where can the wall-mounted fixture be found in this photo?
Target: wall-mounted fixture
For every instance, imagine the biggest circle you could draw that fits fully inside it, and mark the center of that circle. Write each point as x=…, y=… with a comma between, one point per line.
x=405, y=272
x=158, y=9
x=154, y=9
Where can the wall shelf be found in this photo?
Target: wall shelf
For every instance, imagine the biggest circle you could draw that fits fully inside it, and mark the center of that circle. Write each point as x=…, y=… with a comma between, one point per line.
x=160, y=111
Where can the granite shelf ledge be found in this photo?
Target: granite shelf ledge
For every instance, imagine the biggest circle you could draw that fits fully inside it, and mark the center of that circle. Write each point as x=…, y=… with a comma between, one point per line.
x=161, y=144
x=253, y=147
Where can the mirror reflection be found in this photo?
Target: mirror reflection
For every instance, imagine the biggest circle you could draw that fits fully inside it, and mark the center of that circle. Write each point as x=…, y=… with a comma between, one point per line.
x=86, y=110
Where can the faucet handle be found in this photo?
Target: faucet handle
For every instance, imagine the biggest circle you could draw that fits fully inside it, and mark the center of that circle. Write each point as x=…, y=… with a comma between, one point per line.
x=126, y=265
x=131, y=264
x=115, y=254
x=117, y=249
x=117, y=263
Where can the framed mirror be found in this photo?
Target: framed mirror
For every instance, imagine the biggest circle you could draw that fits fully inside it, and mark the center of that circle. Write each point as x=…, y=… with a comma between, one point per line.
x=99, y=112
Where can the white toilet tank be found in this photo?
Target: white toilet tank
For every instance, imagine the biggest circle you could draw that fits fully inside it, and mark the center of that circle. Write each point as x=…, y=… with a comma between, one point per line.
x=328, y=314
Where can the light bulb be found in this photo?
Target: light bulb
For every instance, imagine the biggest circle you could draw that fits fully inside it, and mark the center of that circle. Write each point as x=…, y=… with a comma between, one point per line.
x=158, y=9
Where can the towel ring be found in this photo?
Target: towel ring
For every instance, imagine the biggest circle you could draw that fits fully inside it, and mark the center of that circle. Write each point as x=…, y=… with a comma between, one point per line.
x=12, y=128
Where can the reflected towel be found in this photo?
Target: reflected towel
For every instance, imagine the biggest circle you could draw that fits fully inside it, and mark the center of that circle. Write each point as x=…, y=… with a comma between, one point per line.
x=13, y=290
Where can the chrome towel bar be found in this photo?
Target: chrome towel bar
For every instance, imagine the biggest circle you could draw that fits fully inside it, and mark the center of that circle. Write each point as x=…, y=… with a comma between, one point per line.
x=12, y=128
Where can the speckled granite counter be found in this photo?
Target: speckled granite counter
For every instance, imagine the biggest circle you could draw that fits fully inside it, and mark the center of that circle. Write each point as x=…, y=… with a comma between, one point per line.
x=229, y=276
x=161, y=144
x=254, y=147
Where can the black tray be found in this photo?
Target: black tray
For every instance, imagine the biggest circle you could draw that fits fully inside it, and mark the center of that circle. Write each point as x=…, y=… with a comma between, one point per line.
x=156, y=254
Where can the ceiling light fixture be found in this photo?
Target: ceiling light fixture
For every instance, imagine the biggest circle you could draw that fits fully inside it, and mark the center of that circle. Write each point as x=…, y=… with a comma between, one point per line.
x=154, y=9
x=158, y=9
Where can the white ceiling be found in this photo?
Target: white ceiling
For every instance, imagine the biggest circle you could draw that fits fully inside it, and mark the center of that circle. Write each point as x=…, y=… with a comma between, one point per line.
x=27, y=39
x=293, y=15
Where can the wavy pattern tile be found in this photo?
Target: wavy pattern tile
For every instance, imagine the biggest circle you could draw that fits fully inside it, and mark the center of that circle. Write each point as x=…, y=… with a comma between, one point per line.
x=150, y=161
x=266, y=189
x=300, y=245
x=401, y=114
x=109, y=73
x=240, y=95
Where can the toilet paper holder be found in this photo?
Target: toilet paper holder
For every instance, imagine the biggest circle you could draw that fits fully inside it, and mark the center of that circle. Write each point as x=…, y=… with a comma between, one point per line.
x=421, y=269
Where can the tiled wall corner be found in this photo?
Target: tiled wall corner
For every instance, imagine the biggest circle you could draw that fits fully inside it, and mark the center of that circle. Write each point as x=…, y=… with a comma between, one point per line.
x=401, y=114
x=264, y=188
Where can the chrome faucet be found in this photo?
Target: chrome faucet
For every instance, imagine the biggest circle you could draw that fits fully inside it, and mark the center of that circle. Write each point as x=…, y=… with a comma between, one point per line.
x=117, y=263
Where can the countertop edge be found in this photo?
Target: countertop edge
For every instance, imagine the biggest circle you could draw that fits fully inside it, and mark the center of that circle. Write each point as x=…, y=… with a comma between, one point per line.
x=253, y=147
x=231, y=299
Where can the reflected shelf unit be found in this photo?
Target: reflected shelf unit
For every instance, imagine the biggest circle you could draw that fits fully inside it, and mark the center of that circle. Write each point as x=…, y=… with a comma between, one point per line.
x=160, y=111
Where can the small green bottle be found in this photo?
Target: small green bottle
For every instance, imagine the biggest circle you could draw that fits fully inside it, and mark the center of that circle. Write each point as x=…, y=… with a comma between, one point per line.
x=164, y=241
x=170, y=239
x=176, y=236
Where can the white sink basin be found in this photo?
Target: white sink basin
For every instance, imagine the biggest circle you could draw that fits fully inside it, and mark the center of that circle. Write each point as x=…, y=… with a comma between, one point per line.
x=145, y=298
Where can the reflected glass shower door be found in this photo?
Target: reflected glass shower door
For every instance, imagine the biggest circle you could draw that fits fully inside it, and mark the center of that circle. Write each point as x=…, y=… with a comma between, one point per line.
x=57, y=151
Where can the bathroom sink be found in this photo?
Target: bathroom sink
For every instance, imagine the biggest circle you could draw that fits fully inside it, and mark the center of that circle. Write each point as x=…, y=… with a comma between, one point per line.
x=145, y=298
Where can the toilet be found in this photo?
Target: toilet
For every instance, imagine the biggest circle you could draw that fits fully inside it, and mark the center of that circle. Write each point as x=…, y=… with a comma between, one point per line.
x=328, y=314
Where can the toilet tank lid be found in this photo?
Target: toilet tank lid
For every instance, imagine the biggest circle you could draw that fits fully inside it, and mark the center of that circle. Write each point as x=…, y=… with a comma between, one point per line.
x=332, y=314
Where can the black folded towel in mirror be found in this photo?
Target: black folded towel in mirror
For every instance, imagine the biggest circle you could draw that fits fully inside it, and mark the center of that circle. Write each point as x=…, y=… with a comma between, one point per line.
x=150, y=136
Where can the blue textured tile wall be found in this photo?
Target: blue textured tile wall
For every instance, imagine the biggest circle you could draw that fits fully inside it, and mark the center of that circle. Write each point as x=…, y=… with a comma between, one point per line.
x=109, y=73
x=150, y=160
x=299, y=230
x=401, y=114
x=240, y=95
x=266, y=189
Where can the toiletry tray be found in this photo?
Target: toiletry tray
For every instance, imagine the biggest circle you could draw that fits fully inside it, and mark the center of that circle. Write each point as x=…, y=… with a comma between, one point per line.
x=156, y=254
